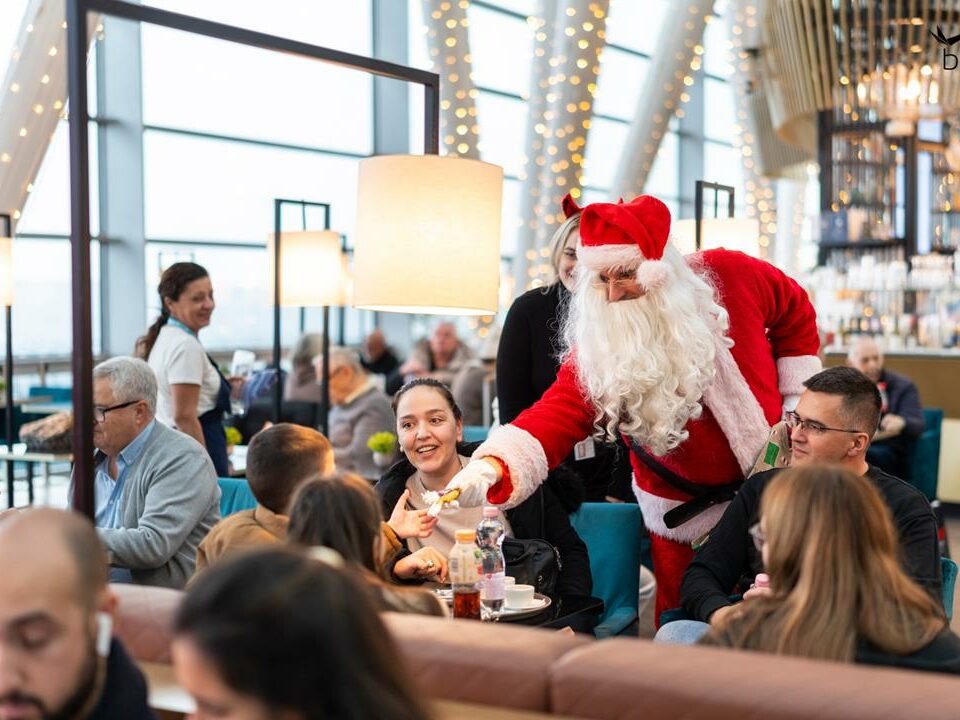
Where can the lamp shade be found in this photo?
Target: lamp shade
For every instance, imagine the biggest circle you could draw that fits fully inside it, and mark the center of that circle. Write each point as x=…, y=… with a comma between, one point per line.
x=741, y=234
x=312, y=269
x=428, y=235
x=6, y=271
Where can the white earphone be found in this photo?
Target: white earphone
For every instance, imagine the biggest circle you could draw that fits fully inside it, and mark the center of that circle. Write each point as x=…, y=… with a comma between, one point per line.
x=104, y=633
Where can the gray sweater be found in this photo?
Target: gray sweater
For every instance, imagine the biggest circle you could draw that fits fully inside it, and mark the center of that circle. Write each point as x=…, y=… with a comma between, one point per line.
x=352, y=424
x=170, y=501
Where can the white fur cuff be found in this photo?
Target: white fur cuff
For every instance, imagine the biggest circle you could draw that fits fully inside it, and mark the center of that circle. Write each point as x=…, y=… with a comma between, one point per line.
x=792, y=372
x=524, y=457
x=654, y=508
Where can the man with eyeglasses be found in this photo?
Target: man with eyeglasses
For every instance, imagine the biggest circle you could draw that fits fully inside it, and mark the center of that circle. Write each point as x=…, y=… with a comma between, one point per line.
x=834, y=422
x=155, y=490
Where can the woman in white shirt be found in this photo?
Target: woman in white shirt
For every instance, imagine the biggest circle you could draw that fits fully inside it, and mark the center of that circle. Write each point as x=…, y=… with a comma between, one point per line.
x=192, y=393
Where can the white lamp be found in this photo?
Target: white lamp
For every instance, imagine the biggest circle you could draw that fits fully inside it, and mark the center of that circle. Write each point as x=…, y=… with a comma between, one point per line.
x=428, y=235
x=731, y=233
x=312, y=269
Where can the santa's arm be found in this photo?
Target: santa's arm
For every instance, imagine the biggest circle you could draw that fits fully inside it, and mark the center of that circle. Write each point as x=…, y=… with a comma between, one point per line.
x=535, y=442
x=791, y=323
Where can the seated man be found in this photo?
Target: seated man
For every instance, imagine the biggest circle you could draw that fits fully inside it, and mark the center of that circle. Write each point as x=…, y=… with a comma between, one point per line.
x=57, y=655
x=155, y=488
x=278, y=460
x=359, y=409
x=439, y=357
x=833, y=423
x=901, y=418
x=377, y=357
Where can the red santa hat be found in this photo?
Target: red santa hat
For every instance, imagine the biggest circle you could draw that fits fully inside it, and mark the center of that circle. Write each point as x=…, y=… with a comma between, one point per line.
x=626, y=235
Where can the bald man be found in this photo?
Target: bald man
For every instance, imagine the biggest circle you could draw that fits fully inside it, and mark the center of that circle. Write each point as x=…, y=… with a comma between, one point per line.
x=377, y=357
x=901, y=420
x=58, y=659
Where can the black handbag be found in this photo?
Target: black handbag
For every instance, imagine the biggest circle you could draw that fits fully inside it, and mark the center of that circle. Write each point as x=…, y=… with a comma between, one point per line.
x=532, y=562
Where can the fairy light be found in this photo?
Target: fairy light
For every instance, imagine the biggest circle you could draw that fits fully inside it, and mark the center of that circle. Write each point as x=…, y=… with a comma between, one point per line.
x=447, y=31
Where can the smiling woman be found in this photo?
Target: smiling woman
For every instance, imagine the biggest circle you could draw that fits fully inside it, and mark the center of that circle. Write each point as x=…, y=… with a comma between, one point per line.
x=192, y=393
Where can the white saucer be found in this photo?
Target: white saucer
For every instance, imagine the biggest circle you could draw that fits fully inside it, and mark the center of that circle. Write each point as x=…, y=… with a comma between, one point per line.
x=540, y=602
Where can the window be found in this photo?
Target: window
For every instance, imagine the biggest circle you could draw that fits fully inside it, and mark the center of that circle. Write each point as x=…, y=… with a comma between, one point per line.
x=664, y=178
x=621, y=80
x=636, y=25
x=502, y=50
x=720, y=121
x=605, y=143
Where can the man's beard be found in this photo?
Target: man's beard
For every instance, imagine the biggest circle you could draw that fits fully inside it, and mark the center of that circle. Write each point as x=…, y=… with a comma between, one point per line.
x=645, y=363
x=78, y=700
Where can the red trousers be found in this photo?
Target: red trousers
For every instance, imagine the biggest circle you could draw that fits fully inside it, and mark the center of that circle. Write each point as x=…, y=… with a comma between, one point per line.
x=670, y=560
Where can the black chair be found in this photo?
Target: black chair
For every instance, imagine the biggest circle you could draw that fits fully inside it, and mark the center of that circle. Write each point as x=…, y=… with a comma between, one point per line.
x=298, y=412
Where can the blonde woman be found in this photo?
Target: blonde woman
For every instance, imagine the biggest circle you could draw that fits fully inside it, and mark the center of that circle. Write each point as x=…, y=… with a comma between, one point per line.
x=836, y=589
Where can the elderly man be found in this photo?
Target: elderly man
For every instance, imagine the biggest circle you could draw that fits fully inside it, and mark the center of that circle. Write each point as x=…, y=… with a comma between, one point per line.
x=901, y=420
x=833, y=423
x=359, y=410
x=57, y=656
x=155, y=488
x=440, y=357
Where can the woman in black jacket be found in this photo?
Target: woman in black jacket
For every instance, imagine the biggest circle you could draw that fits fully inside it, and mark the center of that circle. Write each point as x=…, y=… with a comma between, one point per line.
x=528, y=359
x=429, y=427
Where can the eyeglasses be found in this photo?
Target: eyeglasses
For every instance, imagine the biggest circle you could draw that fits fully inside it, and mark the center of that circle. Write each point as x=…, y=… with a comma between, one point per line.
x=100, y=413
x=759, y=538
x=794, y=421
x=618, y=279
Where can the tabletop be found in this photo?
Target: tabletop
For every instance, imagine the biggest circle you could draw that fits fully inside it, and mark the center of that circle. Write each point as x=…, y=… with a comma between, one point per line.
x=21, y=454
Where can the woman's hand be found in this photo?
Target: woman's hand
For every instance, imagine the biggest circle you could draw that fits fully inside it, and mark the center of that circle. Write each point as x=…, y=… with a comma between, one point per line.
x=425, y=564
x=410, y=523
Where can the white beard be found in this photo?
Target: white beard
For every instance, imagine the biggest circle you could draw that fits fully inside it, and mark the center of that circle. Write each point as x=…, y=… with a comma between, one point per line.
x=645, y=363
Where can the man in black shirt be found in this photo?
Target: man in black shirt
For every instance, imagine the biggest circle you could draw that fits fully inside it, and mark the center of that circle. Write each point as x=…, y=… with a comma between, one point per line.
x=834, y=421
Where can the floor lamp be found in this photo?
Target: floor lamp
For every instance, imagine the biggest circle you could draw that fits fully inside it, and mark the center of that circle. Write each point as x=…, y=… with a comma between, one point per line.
x=6, y=298
x=717, y=232
x=278, y=204
x=309, y=271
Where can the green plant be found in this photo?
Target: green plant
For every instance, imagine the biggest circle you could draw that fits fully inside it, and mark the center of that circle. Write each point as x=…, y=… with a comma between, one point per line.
x=382, y=442
x=233, y=436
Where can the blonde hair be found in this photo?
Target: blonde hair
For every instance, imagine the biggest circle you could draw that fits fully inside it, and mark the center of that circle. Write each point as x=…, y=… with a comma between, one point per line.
x=559, y=241
x=834, y=574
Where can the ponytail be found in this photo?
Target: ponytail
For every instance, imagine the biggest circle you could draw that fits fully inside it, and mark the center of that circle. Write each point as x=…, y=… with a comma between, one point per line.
x=145, y=342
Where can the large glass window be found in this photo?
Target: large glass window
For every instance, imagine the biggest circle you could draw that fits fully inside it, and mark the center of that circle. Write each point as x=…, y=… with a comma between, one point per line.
x=501, y=47
x=196, y=83
x=636, y=25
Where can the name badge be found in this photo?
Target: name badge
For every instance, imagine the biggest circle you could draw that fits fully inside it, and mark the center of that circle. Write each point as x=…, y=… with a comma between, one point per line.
x=584, y=449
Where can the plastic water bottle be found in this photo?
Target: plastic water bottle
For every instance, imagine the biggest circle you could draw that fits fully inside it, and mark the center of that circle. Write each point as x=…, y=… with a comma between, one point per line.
x=490, y=534
x=464, y=575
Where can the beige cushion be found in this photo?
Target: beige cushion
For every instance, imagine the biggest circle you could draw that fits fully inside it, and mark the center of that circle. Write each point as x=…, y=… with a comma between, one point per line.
x=472, y=662
x=624, y=679
x=145, y=620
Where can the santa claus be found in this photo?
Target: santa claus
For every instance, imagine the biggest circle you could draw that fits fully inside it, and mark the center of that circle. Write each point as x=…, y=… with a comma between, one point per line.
x=691, y=359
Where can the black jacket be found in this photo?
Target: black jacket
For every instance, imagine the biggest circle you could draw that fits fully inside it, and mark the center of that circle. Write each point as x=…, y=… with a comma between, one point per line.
x=730, y=560
x=527, y=364
x=941, y=655
x=540, y=516
x=124, y=694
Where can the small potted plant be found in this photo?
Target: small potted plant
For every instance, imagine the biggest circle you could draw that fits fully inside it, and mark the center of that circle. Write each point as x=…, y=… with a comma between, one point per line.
x=233, y=438
x=383, y=445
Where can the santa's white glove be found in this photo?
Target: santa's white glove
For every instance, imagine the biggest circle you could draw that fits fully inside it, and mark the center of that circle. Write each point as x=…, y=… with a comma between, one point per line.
x=473, y=481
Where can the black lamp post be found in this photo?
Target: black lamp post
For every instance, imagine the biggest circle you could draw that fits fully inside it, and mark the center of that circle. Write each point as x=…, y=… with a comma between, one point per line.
x=6, y=231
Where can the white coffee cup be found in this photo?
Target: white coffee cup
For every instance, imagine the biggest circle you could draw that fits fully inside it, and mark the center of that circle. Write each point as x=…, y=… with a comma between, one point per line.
x=509, y=581
x=519, y=596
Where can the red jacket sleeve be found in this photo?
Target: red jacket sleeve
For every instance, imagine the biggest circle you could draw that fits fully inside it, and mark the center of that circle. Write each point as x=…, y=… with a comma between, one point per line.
x=561, y=418
x=788, y=313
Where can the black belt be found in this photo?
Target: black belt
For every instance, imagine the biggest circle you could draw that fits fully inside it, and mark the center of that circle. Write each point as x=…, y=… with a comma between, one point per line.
x=704, y=496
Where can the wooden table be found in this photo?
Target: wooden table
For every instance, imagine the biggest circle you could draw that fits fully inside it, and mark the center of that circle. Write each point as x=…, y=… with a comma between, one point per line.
x=29, y=457
x=169, y=700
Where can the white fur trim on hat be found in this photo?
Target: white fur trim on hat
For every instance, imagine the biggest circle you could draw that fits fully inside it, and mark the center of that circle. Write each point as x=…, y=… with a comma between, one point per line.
x=524, y=457
x=793, y=371
x=600, y=257
x=736, y=409
x=654, y=508
x=653, y=274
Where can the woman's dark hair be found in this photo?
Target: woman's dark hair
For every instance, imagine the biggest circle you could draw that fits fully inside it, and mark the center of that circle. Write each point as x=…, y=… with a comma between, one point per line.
x=299, y=636
x=430, y=383
x=340, y=512
x=172, y=284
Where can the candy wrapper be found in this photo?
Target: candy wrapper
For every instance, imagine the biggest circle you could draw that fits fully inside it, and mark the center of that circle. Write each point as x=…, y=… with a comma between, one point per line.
x=438, y=501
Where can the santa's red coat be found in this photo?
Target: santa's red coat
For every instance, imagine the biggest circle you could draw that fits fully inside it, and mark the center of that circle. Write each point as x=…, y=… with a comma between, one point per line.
x=774, y=332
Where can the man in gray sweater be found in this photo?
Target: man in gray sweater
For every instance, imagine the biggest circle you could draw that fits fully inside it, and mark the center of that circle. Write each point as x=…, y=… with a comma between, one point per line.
x=156, y=491
x=359, y=410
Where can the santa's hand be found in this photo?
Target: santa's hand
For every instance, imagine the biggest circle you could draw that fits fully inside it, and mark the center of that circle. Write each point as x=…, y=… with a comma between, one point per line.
x=473, y=481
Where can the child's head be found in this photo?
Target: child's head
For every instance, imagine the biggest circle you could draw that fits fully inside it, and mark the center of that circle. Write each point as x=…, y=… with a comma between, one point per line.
x=283, y=456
